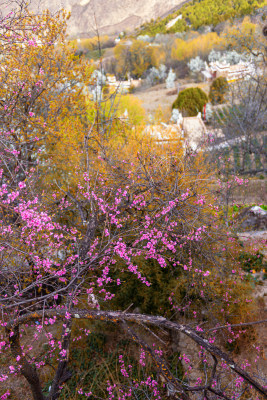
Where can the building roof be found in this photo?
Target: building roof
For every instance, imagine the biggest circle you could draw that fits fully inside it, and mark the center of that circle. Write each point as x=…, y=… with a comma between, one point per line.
x=191, y=128
x=207, y=74
x=231, y=72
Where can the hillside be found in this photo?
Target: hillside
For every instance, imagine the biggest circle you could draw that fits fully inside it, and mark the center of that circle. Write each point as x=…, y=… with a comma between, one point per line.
x=109, y=16
x=197, y=13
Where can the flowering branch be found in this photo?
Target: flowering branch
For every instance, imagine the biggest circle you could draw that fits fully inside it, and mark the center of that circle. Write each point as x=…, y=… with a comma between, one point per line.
x=118, y=316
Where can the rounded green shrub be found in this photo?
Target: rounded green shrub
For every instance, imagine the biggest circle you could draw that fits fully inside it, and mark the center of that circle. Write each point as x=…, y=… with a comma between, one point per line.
x=191, y=101
x=218, y=90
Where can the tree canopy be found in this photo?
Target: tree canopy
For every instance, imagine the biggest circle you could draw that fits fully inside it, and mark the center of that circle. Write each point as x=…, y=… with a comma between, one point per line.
x=218, y=90
x=137, y=57
x=191, y=101
x=195, y=14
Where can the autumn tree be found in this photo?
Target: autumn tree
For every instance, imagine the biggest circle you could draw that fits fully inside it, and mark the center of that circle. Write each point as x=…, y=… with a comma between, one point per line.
x=242, y=36
x=218, y=90
x=137, y=57
x=198, y=46
x=43, y=89
x=131, y=109
x=92, y=47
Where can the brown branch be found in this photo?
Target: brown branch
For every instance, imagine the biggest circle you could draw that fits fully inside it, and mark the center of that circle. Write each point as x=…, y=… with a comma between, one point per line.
x=118, y=316
x=264, y=321
x=160, y=364
x=218, y=393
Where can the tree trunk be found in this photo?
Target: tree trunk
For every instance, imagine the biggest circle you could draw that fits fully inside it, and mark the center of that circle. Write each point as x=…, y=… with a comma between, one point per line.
x=27, y=370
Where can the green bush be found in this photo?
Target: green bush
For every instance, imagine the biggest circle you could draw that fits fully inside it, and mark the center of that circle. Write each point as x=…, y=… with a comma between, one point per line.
x=251, y=262
x=218, y=90
x=191, y=101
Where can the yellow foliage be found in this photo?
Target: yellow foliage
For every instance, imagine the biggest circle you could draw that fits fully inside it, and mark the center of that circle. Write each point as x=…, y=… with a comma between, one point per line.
x=49, y=82
x=242, y=36
x=91, y=43
x=137, y=57
x=133, y=105
x=161, y=115
x=158, y=56
x=200, y=45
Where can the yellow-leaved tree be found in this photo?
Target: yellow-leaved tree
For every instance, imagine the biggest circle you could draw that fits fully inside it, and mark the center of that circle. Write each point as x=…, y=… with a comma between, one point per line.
x=244, y=36
x=200, y=45
x=44, y=86
x=136, y=57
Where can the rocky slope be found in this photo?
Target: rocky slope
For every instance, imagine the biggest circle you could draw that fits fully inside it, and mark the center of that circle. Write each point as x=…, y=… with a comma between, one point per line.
x=109, y=16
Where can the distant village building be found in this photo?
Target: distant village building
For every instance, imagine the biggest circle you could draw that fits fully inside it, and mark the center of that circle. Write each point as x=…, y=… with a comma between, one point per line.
x=192, y=129
x=230, y=72
x=208, y=75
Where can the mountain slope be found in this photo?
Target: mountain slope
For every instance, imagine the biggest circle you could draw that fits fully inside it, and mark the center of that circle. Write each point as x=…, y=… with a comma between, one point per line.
x=109, y=16
x=202, y=12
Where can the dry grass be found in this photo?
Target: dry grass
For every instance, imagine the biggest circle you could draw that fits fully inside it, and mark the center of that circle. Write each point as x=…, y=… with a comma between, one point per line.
x=157, y=96
x=254, y=193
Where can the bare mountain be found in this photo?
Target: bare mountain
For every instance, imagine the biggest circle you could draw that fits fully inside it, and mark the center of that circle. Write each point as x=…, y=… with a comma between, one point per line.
x=108, y=16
